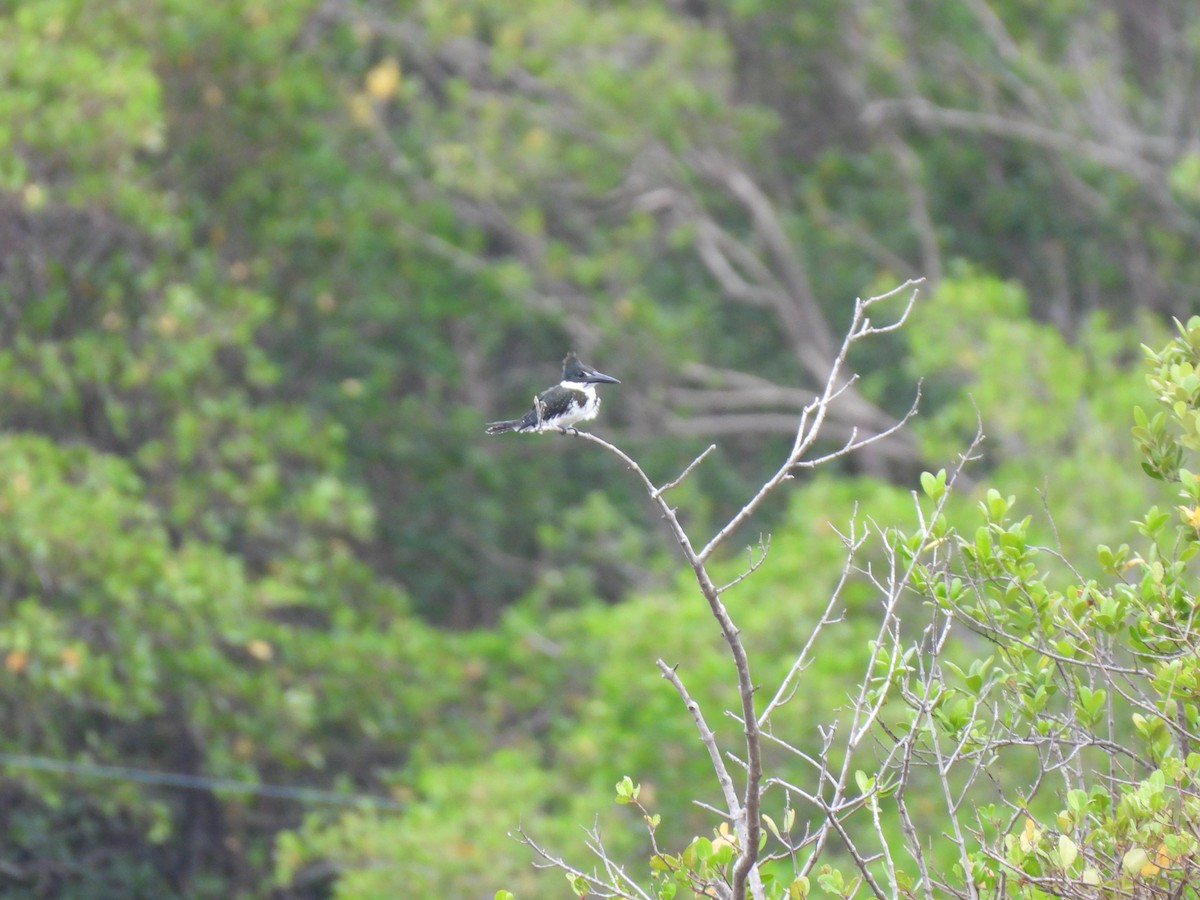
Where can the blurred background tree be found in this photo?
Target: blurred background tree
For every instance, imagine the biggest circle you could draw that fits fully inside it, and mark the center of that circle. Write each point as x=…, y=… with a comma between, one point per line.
x=265, y=271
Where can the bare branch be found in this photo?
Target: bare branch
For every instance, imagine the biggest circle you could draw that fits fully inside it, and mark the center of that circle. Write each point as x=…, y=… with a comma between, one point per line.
x=744, y=807
x=814, y=413
x=657, y=492
x=854, y=444
x=920, y=110
x=600, y=887
x=788, y=686
x=749, y=821
x=801, y=314
x=764, y=544
x=707, y=738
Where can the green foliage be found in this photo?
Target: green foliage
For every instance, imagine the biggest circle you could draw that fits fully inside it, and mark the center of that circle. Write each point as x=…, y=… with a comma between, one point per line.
x=587, y=673
x=1177, y=387
x=265, y=271
x=1107, y=662
x=452, y=838
x=1053, y=411
x=387, y=285
x=1056, y=632
x=78, y=95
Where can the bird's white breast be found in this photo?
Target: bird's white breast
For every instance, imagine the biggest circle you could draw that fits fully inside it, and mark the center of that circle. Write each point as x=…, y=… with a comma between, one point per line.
x=582, y=412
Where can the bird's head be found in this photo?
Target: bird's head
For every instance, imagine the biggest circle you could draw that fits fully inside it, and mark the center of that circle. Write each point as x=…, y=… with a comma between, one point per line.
x=576, y=372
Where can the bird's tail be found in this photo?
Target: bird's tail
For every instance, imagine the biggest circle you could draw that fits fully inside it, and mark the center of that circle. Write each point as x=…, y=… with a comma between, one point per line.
x=501, y=427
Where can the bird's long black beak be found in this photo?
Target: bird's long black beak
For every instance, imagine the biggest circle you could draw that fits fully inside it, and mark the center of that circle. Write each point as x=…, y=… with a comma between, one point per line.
x=594, y=377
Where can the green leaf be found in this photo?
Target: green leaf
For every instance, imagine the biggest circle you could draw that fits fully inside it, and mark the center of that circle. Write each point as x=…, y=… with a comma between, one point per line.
x=934, y=486
x=1134, y=860
x=864, y=781
x=1077, y=802
x=627, y=792
x=771, y=827
x=798, y=889
x=1067, y=852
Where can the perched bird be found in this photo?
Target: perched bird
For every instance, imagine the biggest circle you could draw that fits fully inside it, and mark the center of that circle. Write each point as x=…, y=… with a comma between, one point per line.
x=571, y=400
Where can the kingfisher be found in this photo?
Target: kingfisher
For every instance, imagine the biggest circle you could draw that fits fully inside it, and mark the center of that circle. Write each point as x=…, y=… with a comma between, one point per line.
x=571, y=400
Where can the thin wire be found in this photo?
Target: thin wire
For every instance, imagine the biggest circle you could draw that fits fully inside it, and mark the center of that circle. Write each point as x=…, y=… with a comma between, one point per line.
x=196, y=782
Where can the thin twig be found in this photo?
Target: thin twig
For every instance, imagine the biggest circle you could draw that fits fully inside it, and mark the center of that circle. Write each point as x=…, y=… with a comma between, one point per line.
x=707, y=738
x=657, y=492
x=813, y=415
x=764, y=544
